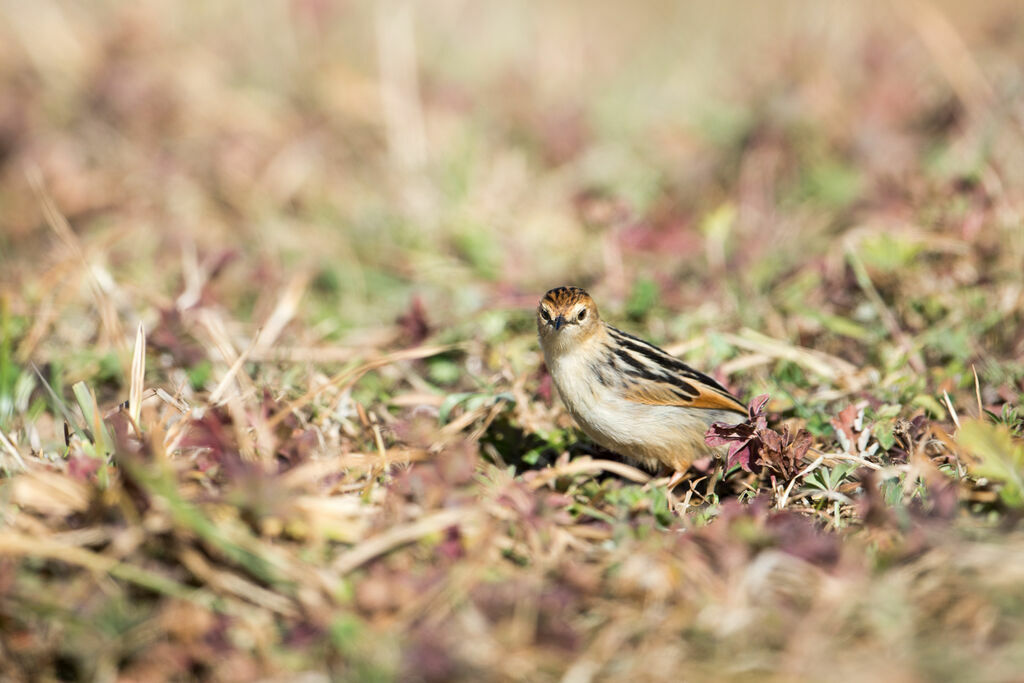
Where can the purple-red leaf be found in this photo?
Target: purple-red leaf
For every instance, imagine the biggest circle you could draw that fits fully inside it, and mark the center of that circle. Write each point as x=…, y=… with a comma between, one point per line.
x=82, y=466
x=743, y=439
x=751, y=443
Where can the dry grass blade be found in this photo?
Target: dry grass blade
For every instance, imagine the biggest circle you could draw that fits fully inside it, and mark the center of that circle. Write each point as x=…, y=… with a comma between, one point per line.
x=59, y=224
x=948, y=403
x=352, y=375
x=15, y=544
x=400, y=535
x=283, y=312
x=177, y=403
x=225, y=383
x=310, y=472
x=950, y=53
x=48, y=492
x=822, y=364
x=977, y=392
x=137, y=379
x=233, y=584
x=784, y=498
x=580, y=466
x=884, y=312
x=12, y=451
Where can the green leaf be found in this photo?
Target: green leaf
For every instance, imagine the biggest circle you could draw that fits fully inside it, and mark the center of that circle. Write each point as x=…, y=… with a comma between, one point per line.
x=838, y=324
x=443, y=370
x=8, y=369
x=480, y=249
x=470, y=400
x=642, y=299
x=199, y=374
x=929, y=403
x=888, y=252
x=101, y=437
x=449, y=404
x=999, y=457
x=832, y=183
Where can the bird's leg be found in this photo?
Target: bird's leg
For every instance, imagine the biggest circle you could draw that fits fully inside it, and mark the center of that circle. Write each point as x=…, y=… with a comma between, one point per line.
x=673, y=502
x=713, y=481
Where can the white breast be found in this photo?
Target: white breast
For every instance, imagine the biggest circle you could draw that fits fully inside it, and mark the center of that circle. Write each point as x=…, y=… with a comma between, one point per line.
x=604, y=415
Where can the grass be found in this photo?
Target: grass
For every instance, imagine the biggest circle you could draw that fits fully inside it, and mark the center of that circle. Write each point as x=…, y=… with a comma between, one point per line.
x=271, y=403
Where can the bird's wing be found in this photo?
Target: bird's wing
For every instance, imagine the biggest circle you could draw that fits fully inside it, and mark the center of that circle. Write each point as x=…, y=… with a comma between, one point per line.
x=660, y=394
x=657, y=378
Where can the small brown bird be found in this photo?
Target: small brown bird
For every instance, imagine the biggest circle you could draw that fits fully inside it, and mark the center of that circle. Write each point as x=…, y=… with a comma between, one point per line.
x=626, y=394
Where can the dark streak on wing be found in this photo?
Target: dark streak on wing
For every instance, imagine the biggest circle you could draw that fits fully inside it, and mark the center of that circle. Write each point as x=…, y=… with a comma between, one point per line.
x=599, y=373
x=644, y=370
x=661, y=358
x=681, y=395
x=612, y=362
x=665, y=368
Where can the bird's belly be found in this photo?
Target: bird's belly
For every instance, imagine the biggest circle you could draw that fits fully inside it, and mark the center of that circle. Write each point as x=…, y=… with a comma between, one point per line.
x=651, y=434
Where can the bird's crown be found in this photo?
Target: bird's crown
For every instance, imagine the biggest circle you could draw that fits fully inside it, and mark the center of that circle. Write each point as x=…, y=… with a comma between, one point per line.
x=561, y=298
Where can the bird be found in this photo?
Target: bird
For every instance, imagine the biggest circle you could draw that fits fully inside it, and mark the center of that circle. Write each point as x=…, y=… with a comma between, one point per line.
x=627, y=394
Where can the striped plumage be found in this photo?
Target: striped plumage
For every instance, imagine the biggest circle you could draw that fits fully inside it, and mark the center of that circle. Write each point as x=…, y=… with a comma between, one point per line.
x=626, y=394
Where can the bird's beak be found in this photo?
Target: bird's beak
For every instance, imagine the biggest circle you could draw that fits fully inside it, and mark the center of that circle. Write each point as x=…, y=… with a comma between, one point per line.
x=559, y=322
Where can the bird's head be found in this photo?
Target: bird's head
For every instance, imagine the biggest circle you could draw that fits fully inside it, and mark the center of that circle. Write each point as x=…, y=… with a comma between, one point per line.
x=566, y=316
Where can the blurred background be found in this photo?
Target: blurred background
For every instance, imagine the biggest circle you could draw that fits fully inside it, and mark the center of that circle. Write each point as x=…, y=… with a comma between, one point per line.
x=333, y=220
x=713, y=163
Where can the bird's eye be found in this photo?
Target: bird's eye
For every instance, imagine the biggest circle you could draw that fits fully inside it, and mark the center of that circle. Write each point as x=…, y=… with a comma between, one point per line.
x=581, y=315
x=545, y=316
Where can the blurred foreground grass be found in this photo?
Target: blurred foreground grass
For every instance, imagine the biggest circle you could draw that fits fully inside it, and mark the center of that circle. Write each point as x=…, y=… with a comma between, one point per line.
x=340, y=455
